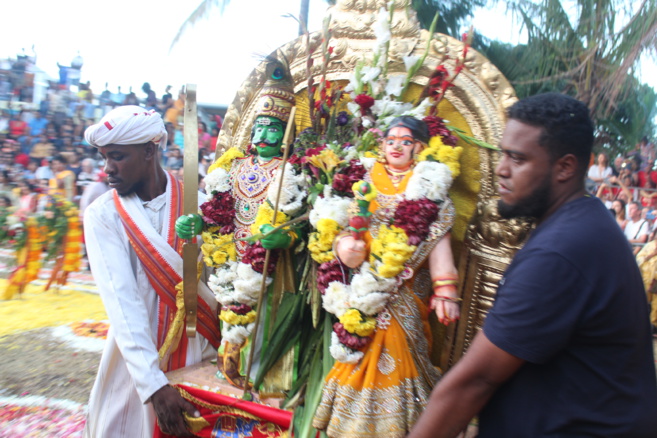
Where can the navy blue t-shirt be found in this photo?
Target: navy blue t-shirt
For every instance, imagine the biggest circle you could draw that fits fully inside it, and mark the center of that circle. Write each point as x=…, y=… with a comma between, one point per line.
x=573, y=306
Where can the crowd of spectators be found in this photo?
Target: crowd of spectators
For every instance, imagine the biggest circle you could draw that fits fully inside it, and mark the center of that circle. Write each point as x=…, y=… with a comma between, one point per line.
x=43, y=150
x=628, y=187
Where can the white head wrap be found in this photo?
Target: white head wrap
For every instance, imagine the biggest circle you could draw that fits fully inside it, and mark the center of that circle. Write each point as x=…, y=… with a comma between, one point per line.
x=129, y=124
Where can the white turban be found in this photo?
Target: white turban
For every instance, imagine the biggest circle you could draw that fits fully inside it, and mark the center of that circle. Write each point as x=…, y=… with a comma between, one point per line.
x=129, y=124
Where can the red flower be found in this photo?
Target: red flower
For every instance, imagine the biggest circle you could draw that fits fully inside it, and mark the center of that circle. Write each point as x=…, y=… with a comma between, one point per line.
x=352, y=341
x=437, y=126
x=346, y=177
x=329, y=272
x=415, y=218
x=365, y=102
x=240, y=309
x=254, y=255
x=220, y=211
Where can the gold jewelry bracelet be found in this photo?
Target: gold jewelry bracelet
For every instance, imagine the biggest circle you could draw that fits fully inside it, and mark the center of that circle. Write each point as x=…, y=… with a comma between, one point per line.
x=445, y=282
x=445, y=298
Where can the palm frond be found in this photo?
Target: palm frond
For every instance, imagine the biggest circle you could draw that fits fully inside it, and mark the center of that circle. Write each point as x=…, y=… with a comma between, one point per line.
x=202, y=11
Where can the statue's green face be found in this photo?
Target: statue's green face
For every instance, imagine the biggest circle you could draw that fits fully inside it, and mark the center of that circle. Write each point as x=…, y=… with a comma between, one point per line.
x=267, y=137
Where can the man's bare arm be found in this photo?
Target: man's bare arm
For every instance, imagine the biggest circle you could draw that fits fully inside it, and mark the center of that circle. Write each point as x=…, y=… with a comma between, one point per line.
x=465, y=389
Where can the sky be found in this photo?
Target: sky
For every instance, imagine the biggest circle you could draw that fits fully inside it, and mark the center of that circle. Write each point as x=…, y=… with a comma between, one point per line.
x=126, y=42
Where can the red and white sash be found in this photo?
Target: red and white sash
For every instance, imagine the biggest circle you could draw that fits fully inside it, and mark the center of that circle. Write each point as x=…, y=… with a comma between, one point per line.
x=160, y=255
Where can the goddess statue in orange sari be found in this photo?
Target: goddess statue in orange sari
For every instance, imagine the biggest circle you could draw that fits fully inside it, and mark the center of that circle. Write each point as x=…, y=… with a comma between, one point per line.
x=383, y=375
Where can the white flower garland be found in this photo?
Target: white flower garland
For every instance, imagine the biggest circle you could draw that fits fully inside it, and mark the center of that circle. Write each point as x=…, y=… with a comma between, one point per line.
x=237, y=282
x=431, y=180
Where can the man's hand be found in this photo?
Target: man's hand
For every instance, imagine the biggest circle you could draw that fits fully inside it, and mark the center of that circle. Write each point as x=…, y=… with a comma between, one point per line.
x=189, y=226
x=169, y=407
x=276, y=240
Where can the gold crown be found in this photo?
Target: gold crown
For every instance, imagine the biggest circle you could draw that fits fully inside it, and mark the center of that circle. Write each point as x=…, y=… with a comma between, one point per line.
x=275, y=102
x=276, y=98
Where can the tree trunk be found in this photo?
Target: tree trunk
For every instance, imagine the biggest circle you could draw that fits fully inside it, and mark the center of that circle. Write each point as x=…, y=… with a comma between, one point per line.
x=303, y=16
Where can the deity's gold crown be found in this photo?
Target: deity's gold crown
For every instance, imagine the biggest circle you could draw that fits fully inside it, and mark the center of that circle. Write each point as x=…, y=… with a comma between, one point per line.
x=276, y=100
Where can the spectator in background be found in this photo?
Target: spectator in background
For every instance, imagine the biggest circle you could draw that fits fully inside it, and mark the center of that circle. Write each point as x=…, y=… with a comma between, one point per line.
x=167, y=100
x=88, y=174
x=213, y=140
x=17, y=127
x=203, y=135
x=618, y=206
x=636, y=229
x=131, y=98
x=37, y=125
x=29, y=174
x=599, y=171
x=43, y=148
x=174, y=159
x=151, y=99
x=27, y=199
x=63, y=181
x=93, y=191
x=44, y=173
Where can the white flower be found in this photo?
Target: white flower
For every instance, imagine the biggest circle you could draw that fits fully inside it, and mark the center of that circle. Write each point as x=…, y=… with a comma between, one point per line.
x=381, y=27
x=217, y=181
x=354, y=108
x=389, y=108
x=342, y=353
x=330, y=207
x=367, y=123
x=420, y=111
x=236, y=334
x=395, y=85
x=370, y=304
x=430, y=180
x=248, y=284
x=335, y=298
x=367, y=163
x=292, y=193
x=351, y=153
x=410, y=61
x=370, y=74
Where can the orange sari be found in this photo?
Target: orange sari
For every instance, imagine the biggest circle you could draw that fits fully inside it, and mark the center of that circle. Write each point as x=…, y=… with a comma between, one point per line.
x=384, y=394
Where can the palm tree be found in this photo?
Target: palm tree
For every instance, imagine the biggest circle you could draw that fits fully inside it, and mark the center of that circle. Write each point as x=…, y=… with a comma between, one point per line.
x=206, y=6
x=587, y=48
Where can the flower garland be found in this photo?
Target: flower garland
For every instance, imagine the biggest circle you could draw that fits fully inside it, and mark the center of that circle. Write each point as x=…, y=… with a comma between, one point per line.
x=236, y=283
x=357, y=304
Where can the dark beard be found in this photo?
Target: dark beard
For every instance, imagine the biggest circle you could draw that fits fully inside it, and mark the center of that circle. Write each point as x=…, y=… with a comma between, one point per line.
x=533, y=206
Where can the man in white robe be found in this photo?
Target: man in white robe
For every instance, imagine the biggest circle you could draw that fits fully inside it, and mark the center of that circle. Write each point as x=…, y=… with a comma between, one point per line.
x=131, y=247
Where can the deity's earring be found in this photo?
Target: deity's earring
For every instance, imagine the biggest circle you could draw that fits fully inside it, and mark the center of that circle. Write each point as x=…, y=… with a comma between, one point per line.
x=382, y=154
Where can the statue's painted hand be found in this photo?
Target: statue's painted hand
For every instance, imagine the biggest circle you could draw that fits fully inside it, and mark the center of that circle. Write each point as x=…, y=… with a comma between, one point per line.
x=276, y=240
x=189, y=226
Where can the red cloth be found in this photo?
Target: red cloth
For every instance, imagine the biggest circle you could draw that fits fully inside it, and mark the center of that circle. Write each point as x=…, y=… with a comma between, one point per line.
x=237, y=417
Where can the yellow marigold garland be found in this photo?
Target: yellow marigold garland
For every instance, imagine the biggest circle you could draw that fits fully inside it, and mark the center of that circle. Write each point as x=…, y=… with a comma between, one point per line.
x=320, y=243
x=225, y=161
x=230, y=317
x=217, y=248
x=73, y=242
x=266, y=216
x=448, y=155
x=356, y=323
x=391, y=249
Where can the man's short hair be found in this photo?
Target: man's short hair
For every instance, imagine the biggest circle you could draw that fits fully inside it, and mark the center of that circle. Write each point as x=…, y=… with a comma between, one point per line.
x=566, y=123
x=59, y=158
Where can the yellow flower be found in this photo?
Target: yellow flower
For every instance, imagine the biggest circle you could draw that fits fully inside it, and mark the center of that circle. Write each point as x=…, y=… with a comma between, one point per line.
x=230, y=317
x=226, y=159
x=325, y=160
x=355, y=322
x=266, y=216
x=392, y=249
x=320, y=251
x=218, y=250
x=451, y=156
x=370, y=154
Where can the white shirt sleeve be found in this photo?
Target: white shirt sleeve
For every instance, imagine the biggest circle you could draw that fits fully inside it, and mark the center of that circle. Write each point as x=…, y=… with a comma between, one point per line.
x=130, y=305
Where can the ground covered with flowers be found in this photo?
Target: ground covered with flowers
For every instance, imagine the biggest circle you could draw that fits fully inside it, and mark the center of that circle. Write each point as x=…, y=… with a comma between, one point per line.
x=50, y=346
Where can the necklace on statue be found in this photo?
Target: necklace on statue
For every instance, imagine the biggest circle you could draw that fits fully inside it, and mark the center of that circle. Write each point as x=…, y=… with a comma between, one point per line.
x=396, y=176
